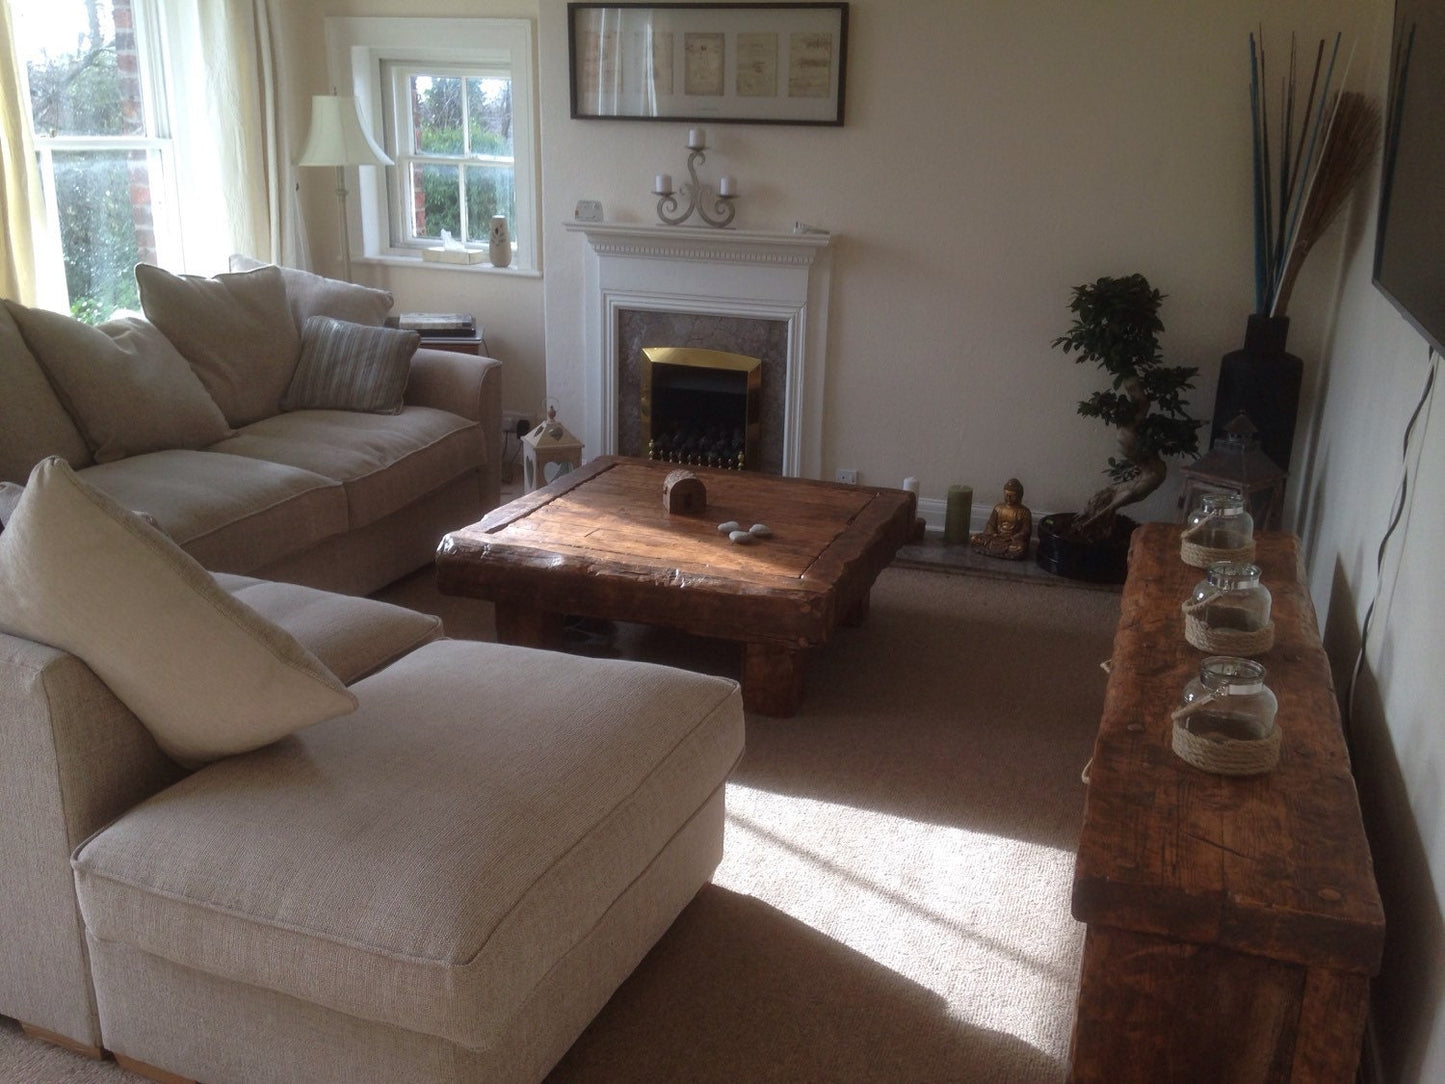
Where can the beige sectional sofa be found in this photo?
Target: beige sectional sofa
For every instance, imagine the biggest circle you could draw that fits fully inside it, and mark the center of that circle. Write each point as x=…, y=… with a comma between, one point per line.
x=179, y=415
x=438, y=868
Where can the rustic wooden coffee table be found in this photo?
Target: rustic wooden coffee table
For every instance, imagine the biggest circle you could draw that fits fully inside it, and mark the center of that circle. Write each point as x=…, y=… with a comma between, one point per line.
x=598, y=542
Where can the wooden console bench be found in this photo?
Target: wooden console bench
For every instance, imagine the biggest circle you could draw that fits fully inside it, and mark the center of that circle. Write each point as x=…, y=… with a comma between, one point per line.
x=1233, y=923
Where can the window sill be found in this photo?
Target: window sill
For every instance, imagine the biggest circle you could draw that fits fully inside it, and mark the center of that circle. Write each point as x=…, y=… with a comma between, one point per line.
x=453, y=268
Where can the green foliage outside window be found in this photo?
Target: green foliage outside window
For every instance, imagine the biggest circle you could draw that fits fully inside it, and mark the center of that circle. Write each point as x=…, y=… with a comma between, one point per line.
x=83, y=92
x=481, y=131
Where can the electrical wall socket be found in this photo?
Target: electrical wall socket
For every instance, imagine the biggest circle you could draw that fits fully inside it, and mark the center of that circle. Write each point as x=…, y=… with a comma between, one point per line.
x=514, y=422
x=847, y=477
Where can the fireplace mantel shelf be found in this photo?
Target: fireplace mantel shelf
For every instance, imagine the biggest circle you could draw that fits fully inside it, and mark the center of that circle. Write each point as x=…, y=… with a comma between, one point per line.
x=694, y=242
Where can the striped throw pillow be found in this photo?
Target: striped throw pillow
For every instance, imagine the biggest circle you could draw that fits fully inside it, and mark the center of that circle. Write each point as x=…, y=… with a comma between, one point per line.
x=347, y=366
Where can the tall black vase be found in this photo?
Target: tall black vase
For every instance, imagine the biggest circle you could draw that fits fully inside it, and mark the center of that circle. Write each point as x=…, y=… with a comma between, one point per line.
x=1263, y=380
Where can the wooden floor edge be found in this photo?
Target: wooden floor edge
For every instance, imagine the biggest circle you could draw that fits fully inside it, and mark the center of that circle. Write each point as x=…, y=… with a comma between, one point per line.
x=75, y=1046
x=150, y=1072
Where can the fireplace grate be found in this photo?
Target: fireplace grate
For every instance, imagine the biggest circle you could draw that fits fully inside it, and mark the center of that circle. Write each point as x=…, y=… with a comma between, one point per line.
x=700, y=407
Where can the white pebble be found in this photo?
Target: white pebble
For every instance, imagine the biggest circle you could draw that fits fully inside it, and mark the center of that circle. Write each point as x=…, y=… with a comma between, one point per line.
x=729, y=527
x=742, y=538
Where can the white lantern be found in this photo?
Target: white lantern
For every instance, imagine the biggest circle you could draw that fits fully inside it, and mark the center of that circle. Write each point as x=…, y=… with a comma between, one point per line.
x=548, y=452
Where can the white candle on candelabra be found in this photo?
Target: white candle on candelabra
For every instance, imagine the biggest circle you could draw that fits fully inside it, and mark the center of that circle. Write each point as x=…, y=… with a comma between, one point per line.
x=726, y=186
x=696, y=139
x=662, y=184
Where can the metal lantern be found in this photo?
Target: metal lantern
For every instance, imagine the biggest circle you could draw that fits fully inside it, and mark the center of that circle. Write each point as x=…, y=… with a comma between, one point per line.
x=548, y=452
x=1236, y=464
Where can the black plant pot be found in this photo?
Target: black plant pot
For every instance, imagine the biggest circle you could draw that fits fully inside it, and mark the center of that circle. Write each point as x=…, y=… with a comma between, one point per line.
x=1093, y=562
x=1263, y=381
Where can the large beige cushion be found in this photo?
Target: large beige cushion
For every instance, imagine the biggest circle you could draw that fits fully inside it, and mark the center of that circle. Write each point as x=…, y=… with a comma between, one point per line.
x=33, y=424
x=124, y=384
x=231, y=513
x=235, y=330
x=384, y=460
x=441, y=849
x=311, y=295
x=205, y=674
x=353, y=637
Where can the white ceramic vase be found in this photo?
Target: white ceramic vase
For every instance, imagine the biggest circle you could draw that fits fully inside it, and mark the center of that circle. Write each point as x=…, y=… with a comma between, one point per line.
x=499, y=242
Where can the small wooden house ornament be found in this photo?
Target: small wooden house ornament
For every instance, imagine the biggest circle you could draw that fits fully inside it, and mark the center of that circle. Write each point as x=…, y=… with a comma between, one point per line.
x=548, y=452
x=683, y=493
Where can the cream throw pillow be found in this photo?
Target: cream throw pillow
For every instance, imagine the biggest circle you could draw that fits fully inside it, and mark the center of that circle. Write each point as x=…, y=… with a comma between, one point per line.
x=347, y=366
x=309, y=295
x=235, y=330
x=205, y=674
x=127, y=388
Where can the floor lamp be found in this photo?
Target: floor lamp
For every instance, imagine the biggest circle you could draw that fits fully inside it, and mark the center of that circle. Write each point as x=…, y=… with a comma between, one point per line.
x=338, y=139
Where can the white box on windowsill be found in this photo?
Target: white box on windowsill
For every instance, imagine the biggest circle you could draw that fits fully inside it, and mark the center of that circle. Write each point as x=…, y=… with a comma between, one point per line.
x=441, y=254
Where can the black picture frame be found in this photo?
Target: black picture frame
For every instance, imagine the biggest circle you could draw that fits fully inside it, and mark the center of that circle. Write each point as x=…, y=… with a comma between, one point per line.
x=721, y=63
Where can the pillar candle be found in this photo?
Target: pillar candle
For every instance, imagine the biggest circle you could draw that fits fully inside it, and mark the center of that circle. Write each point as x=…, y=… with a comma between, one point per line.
x=696, y=139
x=958, y=514
x=725, y=186
x=911, y=484
x=662, y=184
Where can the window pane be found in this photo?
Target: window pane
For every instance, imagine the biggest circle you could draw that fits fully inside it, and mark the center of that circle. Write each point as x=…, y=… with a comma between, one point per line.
x=437, y=200
x=436, y=110
x=105, y=228
x=489, y=192
x=489, y=116
x=80, y=56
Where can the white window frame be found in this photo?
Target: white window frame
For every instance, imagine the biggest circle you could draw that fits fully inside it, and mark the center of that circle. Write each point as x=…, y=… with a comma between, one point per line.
x=156, y=143
x=400, y=131
x=358, y=49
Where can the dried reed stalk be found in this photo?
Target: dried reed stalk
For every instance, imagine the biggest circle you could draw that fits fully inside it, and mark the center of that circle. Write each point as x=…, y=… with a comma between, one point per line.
x=1349, y=147
x=1300, y=189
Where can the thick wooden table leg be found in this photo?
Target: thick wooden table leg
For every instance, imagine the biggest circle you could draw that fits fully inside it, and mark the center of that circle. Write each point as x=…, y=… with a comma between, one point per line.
x=772, y=679
x=528, y=626
x=858, y=612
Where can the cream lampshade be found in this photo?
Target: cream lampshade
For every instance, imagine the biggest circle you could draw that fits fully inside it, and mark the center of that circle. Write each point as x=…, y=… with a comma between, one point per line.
x=337, y=138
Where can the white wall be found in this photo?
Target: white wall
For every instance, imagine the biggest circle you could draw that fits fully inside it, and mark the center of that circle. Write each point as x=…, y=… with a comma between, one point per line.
x=1371, y=382
x=994, y=156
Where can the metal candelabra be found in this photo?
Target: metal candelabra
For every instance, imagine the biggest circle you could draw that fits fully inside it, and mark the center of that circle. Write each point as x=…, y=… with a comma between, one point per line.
x=713, y=207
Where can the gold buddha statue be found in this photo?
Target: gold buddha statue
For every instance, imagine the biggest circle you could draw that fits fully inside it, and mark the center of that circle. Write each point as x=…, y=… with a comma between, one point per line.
x=1006, y=534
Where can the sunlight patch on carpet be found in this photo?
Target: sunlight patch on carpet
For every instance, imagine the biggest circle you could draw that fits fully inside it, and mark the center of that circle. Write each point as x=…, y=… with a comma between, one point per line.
x=981, y=920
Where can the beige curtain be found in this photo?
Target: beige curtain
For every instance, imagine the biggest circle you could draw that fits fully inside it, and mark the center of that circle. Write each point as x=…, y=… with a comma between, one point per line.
x=30, y=271
x=237, y=180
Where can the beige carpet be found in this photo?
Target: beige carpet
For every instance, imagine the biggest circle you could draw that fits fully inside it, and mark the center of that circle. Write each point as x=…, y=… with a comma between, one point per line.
x=893, y=904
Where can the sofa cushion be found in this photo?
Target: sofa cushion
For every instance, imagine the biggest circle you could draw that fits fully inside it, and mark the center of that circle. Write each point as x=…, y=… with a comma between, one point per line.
x=385, y=461
x=234, y=329
x=231, y=513
x=347, y=366
x=310, y=295
x=205, y=674
x=124, y=384
x=33, y=424
x=441, y=848
x=353, y=637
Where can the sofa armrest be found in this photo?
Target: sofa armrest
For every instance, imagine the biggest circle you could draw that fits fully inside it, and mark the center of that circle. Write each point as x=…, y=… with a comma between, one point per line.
x=472, y=387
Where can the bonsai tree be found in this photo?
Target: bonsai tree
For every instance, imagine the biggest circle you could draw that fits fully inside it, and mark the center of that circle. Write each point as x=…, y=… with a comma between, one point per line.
x=1116, y=326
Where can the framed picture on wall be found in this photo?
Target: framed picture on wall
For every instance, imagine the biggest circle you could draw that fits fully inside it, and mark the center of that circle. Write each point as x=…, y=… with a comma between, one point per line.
x=740, y=63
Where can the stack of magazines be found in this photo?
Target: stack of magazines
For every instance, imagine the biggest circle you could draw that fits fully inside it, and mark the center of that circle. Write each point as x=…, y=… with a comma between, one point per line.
x=461, y=325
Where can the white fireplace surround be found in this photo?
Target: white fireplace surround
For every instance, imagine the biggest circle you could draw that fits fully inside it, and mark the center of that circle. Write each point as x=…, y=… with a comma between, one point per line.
x=740, y=273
